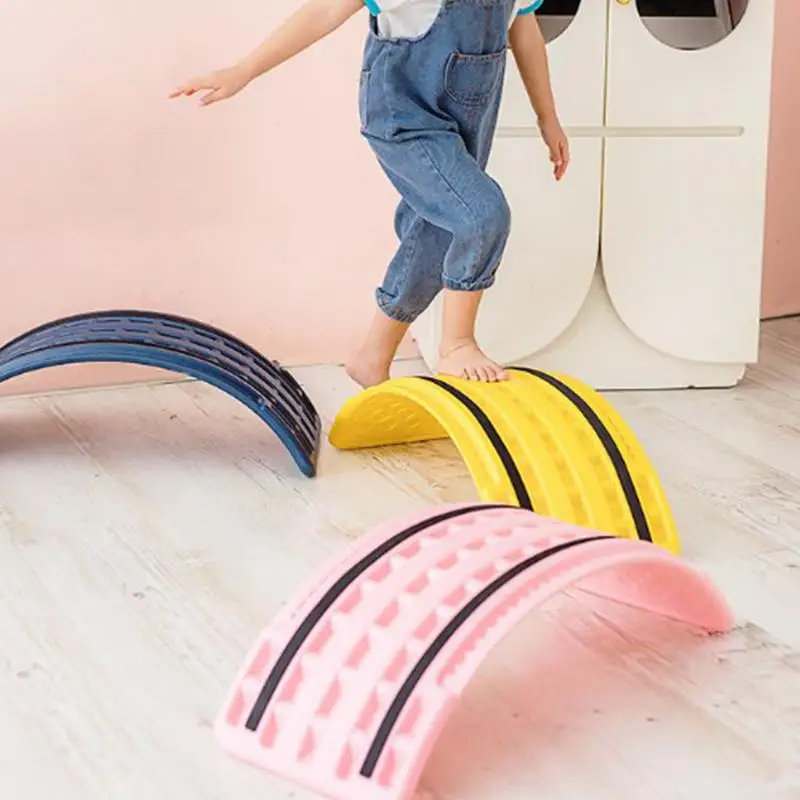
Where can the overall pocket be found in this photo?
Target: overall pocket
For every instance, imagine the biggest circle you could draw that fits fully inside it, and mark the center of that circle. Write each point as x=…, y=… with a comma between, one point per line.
x=472, y=80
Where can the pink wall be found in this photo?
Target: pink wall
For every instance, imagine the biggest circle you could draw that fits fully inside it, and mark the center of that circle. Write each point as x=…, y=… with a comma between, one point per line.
x=265, y=215
x=782, y=242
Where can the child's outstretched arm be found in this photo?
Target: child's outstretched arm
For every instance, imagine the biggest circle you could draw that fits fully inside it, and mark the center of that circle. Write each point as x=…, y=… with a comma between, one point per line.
x=313, y=21
x=530, y=53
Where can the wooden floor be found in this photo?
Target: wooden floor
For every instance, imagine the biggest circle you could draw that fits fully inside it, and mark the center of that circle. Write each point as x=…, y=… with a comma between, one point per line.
x=149, y=533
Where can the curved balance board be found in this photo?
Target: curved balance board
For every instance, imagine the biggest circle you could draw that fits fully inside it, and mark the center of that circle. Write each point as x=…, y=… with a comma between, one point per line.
x=180, y=345
x=540, y=441
x=346, y=692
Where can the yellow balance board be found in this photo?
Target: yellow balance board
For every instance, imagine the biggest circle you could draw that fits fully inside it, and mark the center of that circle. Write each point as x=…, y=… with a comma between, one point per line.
x=539, y=440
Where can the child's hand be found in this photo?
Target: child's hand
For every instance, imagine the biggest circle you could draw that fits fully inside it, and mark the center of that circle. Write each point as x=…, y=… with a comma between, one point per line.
x=218, y=85
x=556, y=141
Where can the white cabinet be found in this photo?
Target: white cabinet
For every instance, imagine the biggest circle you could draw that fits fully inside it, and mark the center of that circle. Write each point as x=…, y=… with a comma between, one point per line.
x=642, y=269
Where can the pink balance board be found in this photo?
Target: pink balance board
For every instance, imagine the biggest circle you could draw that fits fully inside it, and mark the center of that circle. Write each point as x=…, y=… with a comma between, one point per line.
x=346, y=692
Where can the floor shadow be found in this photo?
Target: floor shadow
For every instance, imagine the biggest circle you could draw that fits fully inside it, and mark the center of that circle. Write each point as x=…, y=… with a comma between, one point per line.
x=554, y=700
x=233, y=437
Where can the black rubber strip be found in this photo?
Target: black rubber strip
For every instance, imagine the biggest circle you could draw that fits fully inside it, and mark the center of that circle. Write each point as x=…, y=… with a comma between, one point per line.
x=611, y=448
x=404, y=694
x=307, y=626
x=510, y=466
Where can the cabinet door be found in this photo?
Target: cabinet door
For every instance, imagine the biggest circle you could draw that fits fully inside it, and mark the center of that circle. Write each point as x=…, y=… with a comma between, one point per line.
x=682, y=244
x=552, y=253
x=685, y=175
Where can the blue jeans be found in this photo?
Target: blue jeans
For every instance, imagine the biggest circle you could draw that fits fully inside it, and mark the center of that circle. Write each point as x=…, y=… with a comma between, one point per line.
x=429, y=109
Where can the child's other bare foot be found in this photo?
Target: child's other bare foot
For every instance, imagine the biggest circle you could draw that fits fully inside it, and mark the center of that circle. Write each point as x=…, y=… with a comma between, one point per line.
x=370, y=364
x=366, y=370
x=466, y=360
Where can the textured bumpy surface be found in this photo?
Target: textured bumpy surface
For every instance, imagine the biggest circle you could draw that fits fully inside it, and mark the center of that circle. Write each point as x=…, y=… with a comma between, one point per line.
x=539, y=441
x=347, y=690
x=180, y=345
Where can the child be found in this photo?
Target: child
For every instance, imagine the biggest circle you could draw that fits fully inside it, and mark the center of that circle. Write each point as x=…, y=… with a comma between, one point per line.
x=429, y=96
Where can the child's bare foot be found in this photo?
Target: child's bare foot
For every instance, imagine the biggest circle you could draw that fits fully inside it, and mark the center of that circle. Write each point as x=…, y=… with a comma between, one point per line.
x=466, y=360
x=366, y=370
x=370, y=364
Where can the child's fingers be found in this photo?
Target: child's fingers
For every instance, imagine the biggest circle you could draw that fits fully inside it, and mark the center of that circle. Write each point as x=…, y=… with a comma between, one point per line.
x=555, y=160
x=562, y=160
x=188, y=89
x=558, y=168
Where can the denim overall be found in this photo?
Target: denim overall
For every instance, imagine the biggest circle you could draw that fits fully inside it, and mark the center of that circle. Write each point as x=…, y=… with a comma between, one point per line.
x=428, y=108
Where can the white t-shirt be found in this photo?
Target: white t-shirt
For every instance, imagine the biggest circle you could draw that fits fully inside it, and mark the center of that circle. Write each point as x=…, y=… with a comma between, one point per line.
x=404, y=19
